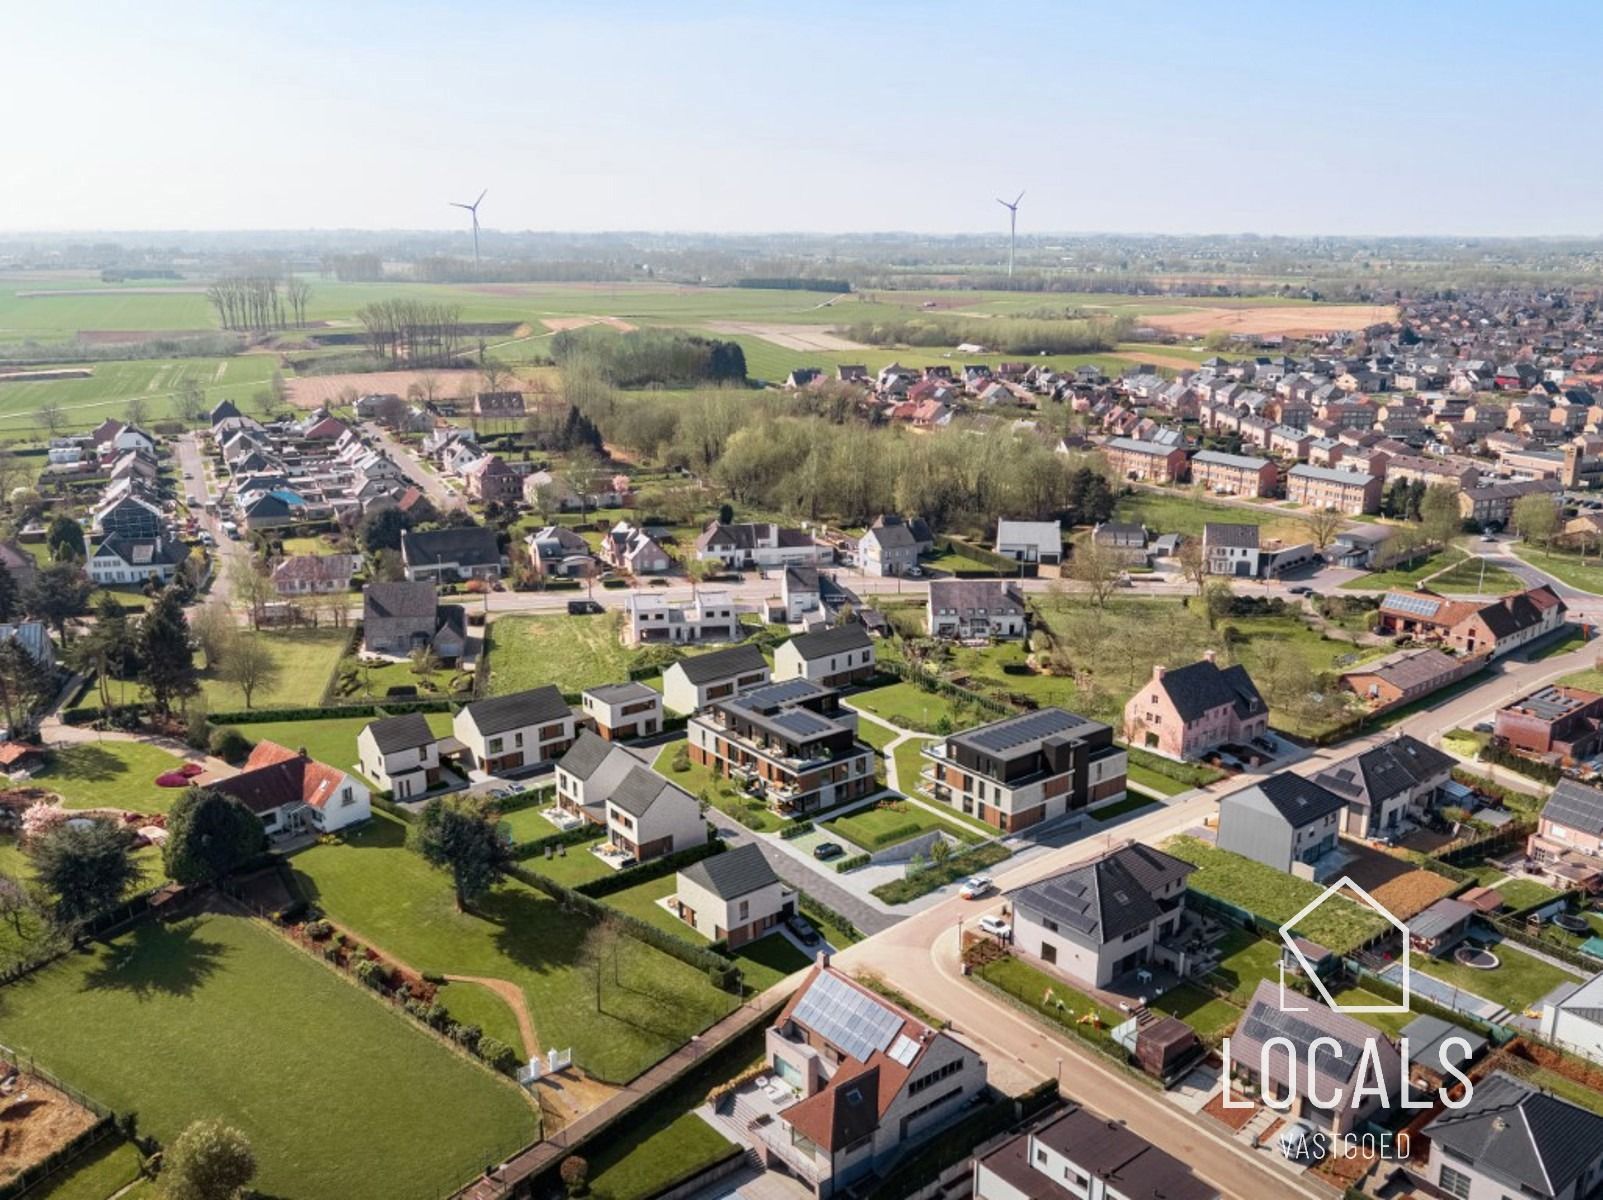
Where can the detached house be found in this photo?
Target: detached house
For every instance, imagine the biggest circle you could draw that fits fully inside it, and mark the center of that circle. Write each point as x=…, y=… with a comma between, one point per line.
x=758, y=545
x=1396, y=781
x=398, y=618
x=648, y=817
x=290, y=791
x=873, y=1082
x=1103, y=919
x=1080, y=1154
x=623, y=711
x=1189, y=711
x=692, y=683
x=123, y=559
x=400, y=754
x=733, y=897
x=1232, y=549
x=447, y=555
x=1567, y=846
x=889, y=549
x=630, y=549
x=492, y=481
x=975, y=608
x=833, y=658
x=1285, y=822
x=315, y=574
x=1511, y=1139
x=588, y=773
x=1030, y=541
x=506, y=735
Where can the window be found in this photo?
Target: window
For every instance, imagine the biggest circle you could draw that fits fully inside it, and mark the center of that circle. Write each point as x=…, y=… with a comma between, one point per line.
x=493, y=746
x=346, y=797
x=935, y=1076
x=517, y=739
x=745, y=909
x=1455, y=1183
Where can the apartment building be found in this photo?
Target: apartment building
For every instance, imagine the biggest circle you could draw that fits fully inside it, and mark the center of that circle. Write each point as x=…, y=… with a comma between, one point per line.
x=1026, y=769
x=1350, y=492
x=1151, y=462
x=709, y=615
x=1234, y=474
x=792, y=742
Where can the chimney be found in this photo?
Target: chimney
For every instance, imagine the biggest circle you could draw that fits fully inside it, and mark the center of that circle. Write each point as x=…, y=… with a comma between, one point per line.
x=1157, y=672
x=823, y=958
x=302, y=752
x=1209, y=655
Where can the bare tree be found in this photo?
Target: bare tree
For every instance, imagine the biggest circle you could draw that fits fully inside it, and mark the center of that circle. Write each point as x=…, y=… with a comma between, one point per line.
x=135, y=410
x=1324, y=525
x=249, y=665
x=1193, y=562
x=252, y=590
x=53, y=417
x=1096, y=570
x=213, y=626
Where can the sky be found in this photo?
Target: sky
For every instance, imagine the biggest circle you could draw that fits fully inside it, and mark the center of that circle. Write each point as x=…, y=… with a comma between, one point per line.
x=1404, y=117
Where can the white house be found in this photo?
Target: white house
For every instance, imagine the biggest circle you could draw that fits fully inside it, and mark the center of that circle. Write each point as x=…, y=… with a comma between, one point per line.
x=508, y=735
x=291, y=792
x=1576, y=1021
x=763, y=545
x=975, y=608
x=801, y=595
x=1030, y=541
x=709, y=615
x=734, y=897
x=832, y=657
x=692, y=683
x=588, y=773
x=622, y=711
x=401, y=755
x=647, y=816
x=119, y=558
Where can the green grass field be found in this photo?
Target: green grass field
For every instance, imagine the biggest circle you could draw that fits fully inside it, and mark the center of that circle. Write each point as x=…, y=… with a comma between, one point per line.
x=1243, y=961
x=572, y=652
x=98, y=1175
x=1517, y=983
x=876, y=828
x=213, y=1017
x=1569, y=568
x=1199, y=1008
x=305, y=660
x=328, y=740
x=1339, y=924
x=1476, y=576
x=1409, y=575
x=906, y=705
x=650, y=1003
x=1179, y=511
x=111, y=774
x=156, y=382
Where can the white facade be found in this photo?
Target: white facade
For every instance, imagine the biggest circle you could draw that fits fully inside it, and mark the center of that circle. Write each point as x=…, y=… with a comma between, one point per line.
x=789, y=664
x=672, y=823
x=683, y=695
x=634, y=715
x=710, y=915
x=707, y=616
x=402, y=773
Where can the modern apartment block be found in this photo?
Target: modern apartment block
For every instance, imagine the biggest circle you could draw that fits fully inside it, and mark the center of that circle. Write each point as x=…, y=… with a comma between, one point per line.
x=1022, y=770
x=792, y=742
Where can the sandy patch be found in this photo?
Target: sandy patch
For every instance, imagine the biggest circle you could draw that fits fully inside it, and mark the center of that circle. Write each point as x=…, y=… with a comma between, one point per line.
x=46, y=376
x=561, y=324
x=1160, y=359
x=313, y=391
x=31, y=1129
x=789, y=337
x=1290, y=319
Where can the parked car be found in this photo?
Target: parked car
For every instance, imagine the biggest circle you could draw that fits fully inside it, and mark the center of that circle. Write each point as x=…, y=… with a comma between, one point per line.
x=997, y=927
x=805, y=933
x=915, y=572
x=1300, y=1141
x=1300, y=590
x=825, y=851
x=1484, y=727
x=974, y=887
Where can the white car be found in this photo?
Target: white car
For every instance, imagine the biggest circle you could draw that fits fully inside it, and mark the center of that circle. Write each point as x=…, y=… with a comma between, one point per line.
x=997, y=927
x=974, y=887
x=1301, y=1142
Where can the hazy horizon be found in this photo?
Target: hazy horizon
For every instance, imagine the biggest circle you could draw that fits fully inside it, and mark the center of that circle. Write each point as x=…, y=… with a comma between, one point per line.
x=758, y=118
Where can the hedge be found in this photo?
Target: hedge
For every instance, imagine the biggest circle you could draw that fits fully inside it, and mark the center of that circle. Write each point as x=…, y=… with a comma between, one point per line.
x=1520, y=765
x=667, y=864
x=811, y=906
x=723, y=973
x=900, y=891
x=376, y=708
x=795, y=830
x=576, y=836
x=852, y=862
x=1195, y=774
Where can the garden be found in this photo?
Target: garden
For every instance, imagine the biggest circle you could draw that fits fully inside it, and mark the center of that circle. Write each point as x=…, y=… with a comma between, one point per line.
x=572, y=652
x=1518, y=982
x=110, y=774
x=891, y=822
x=620, y=1004
x=750, y=811
x=209, y=1017
x=328, y=740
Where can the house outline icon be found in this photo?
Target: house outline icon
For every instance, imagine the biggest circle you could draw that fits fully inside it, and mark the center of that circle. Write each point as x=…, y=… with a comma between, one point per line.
x=1345, y=883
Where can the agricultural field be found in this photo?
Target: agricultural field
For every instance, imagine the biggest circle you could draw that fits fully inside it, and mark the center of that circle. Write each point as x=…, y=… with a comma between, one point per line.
x=219, y=1004
x=155, y=382
x=385, y=893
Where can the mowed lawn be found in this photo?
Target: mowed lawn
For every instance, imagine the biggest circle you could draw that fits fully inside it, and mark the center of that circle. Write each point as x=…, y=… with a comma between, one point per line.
x=328, y=741
x=111, y=775
x=650, y=1002
x=1517, y=982
x=216, y=1017
x=905, y=705
x=304, y=661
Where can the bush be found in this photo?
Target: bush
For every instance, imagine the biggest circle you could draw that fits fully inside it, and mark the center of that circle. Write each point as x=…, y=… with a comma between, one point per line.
x=497, y=1055
x=852, y=862
x=319, y=930
x=373, y=974
x=230, y=745
x=795, y=830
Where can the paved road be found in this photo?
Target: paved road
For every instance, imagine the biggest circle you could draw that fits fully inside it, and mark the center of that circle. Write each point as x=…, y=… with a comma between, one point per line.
x=428, y=482
x=196, y=482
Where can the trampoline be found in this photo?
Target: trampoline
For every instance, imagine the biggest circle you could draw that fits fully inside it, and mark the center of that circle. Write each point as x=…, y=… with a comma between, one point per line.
x=1476, y=958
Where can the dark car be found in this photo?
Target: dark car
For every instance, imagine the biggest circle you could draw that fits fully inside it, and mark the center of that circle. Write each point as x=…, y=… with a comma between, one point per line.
x=805, y=933
x=583, y=608
x=1299, y=590
x=825, y=851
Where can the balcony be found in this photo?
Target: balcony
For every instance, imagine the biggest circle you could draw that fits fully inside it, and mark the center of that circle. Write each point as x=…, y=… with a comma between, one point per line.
x=774, y=1135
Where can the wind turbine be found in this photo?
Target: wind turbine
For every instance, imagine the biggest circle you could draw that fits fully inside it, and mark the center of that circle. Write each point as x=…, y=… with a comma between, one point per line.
x=1012, y=228
x=474, y=210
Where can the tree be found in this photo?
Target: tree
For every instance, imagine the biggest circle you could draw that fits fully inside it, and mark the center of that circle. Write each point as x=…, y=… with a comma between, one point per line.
x=209, y=835
x=40, y=819
x=1216, y=599
x=1094, y=566
x=458, y=834
x=107, y=650
x=167, y=654
x=252, y=590
x=208, y=1161
x=54, y=417
x=382, y=530
x=59, y=593
x=1439, y=513
x=575, y=1173
x=10, y=600
x=85, y=870
x=1193, y=562
x=135, y=411
x=65, y=540
x=248, y=663
x=15, y=905
x=726, y=514
x=213, y=627
x=1323, y=526
x=1536, y=518
x=25, y=684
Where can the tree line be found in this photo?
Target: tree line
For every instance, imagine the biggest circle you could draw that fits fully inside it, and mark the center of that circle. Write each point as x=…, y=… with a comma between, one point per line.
x=413, y=332
x=259, y=302
x=1003, y=335
x=644, y=356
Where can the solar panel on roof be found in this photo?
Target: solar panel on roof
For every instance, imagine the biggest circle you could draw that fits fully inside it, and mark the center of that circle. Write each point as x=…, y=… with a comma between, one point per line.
x=904, y=1051
x=1420, y=606
x=852, y=1020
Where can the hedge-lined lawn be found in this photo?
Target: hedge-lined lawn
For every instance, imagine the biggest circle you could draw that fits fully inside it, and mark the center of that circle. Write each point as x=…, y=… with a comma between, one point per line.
x=1244, y=960
x=1523, y=893
x=98, y=1175
x=1391, y=1023
x=331, y=741
x=211, y=1017
x=1199, y=1008
x=959, y=866
x=305, y=661
x=651, y=1003
x=876, y=735
x=360, y=682
x=910, y=763
x=1147, y=778
x=111, y=774
x=907, y=705
x=1047, y=995
x=1130, y=804
x=571, y=865
x=1517, y=982
x=764, y=962
x=751, y=811
x=527, y=823
x=475, y=1004
x=572, y=652
x=878, y=827
x=1339, y=924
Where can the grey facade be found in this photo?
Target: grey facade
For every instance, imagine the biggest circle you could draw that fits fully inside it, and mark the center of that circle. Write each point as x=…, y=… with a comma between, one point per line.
x=1286, y=822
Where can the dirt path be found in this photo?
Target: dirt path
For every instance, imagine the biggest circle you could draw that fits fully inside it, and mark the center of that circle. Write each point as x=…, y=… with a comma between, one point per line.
x=513, y=995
